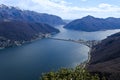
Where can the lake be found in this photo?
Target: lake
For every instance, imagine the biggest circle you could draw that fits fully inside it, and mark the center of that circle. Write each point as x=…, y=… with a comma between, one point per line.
x=29, y=61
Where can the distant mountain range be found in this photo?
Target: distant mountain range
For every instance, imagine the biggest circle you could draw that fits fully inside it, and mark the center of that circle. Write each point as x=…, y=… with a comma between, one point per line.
x=13, y=13
x=20, y=26
x=105, y=57
x=90, y=23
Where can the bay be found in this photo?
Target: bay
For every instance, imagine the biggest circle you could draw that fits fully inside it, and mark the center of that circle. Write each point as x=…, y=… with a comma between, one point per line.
x=29, y=61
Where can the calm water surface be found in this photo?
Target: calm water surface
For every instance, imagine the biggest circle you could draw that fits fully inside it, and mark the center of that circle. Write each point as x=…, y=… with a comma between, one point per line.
x=28, y=61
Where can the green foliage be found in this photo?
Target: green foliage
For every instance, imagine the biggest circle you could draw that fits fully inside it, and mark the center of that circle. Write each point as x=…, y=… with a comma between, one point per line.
x=79, y=73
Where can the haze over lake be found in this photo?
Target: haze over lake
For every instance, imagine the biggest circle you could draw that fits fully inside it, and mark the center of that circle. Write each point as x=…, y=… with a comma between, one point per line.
x=28, y=61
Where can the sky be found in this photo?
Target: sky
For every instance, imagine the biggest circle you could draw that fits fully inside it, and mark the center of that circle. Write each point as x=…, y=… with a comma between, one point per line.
x=69, y=9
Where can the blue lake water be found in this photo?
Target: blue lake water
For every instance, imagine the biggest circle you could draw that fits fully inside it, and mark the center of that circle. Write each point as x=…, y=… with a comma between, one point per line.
x=28, y=61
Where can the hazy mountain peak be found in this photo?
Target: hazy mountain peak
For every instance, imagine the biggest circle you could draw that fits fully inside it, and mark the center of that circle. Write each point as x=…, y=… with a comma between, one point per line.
x=14, y=13
x=3, y=6
x=88, y=17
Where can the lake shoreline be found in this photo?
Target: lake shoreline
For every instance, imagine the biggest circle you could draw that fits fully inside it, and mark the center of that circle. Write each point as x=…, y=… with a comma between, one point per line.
x=20, y=43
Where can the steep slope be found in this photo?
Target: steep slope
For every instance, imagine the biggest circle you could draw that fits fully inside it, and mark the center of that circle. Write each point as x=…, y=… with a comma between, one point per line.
x=12, y=13
x=90, y=23
x=105, y=57
x=18, y=32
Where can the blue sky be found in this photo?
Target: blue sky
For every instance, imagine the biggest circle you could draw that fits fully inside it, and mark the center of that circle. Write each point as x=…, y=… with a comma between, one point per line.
x=70, y=9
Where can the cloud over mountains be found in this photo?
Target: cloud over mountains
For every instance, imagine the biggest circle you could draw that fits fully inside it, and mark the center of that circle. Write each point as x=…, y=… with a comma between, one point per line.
x=64, y=8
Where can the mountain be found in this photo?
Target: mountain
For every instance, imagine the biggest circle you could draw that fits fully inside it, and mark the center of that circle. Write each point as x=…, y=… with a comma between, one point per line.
x=90, y=23
x=21, y=26
x=13, y=13
x=18, y=32
x=105, y=57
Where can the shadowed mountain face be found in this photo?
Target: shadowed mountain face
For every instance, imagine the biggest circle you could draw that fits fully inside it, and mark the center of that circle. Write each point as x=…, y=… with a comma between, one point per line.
x=90, y=23
x=18, y=26
x=105, y=57
x=19, y=31
x=12, y=13
x=14, y=33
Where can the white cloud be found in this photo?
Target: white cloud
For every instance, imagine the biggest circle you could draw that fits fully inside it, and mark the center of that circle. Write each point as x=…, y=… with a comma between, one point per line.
x=65, y=9
x=104, y=5
x=83, y=0
x=63, y=2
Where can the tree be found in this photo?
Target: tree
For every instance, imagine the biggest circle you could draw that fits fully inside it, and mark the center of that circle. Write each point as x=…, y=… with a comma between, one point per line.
x=79, y=73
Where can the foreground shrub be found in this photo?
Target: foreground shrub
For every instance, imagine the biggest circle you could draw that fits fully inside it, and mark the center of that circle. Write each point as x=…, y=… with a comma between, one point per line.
x=79, y=73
